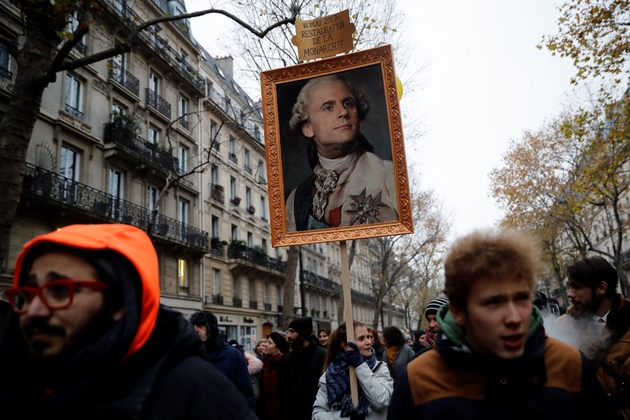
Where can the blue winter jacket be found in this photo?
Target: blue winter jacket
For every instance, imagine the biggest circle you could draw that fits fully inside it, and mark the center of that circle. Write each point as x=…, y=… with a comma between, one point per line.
x=232, y=364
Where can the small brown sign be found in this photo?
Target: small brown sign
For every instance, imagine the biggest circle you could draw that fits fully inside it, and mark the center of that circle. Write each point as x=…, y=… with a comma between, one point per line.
x=324, y=37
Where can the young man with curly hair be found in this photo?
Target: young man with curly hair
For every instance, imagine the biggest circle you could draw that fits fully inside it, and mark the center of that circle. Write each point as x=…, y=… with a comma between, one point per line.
x=492, y=359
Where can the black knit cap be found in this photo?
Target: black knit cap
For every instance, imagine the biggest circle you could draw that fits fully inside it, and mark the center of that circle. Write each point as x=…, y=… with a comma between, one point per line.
x=303, y=326
x=279, y=341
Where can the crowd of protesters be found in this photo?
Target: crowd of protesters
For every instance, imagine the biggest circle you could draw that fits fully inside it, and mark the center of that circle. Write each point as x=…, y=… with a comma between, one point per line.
x=87, y=338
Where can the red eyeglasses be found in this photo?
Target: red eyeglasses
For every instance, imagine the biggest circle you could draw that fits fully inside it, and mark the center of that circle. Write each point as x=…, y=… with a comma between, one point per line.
x=56, y=294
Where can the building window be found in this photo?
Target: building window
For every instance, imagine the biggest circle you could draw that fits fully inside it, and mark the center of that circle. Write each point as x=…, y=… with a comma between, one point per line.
x=182, y=276
x=5, y=63
x=232, y=149
x=183, y=209
x=69, y=166
x=248, y=198
x=154, y=83
x=234, y=233
x=236, y=287
x=278, y=295
x=74, y=96
x=214, y=135
x=263, y=207
x=214, y=174
x=252, y=290
x=246, y=163
x=215, y=227
x=232, y=188
x=216, y=282
x=152, y=200
x=154, y=136
x=264, y=245
x=250, y=239
x=262, y=177
x=183, y=111
x=182, y=155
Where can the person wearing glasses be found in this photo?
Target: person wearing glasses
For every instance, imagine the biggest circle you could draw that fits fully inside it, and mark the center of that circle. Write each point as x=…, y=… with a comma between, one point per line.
x=87, y=336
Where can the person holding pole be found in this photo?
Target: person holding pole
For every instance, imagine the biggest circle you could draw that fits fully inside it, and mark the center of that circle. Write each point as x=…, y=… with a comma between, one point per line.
x=492, y=359
x=334, y=400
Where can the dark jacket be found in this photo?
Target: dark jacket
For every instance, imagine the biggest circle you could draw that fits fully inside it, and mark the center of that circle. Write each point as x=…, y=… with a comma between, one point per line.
x=269, y=407
x=551, y=380
x=298, y=380
x=229, y=361
x=149, y=365
x=402, y=357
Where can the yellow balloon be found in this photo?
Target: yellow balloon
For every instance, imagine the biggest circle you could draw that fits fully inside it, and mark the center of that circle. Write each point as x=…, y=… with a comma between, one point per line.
x=399, y=87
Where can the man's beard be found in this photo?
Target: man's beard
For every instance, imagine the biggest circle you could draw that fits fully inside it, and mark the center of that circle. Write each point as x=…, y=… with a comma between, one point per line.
x=590, y=308
x=97, y=326
x=297, y=343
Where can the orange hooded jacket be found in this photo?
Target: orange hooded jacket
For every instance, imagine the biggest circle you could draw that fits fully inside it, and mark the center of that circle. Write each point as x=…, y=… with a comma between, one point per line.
x=128, y=241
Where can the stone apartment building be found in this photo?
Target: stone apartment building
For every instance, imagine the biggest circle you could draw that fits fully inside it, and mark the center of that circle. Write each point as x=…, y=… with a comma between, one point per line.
x=109, y=135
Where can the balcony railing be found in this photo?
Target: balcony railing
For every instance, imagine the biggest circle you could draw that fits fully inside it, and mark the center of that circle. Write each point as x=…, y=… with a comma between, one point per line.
x=253, y=304
x=362, y=296
x=280, y=309
x=225, y=105
x=322, y=282
x=183, y=289
x=143, y=149
x=217, y=299
x=158, y=44
x=5, y=73
x=81, y=48
x=184, y=123
x=74, y=112
x=217, y=193
x=267, y=307
x=237, y=302
x=233, y=157
x=158, y=103
x=248, y=169
x=255, y=256
x=80, y=196
x=262, y=179
x=125, y=79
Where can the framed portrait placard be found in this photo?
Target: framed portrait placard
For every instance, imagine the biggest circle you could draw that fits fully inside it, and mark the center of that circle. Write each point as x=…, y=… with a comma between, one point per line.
x=335, y=152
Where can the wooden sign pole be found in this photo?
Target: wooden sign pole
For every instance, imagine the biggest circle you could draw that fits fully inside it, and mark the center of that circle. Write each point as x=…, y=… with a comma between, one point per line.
x=347, y=315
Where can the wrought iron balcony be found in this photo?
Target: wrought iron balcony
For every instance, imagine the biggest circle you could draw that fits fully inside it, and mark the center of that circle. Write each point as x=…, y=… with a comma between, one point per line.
x=248, y=169
x=280, y=309
x=74, y=112
x=131, y=19
x=251, y=209
x=255, y=256
x=362, y=296
x=267, y=307
x=184, y=123
x=233, y=157
x=217, y=193
x=5, y=73
x=184, y=289
x=125, y=79
x=253, y=304
x=237, y=302
x=158, y=103
x=217, y=299
x=321, y=282
x=65, y=191
x=262, y=179
x=138, y=146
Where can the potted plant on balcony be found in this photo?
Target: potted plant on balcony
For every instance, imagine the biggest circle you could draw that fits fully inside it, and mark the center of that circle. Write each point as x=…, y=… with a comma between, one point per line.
x=217, y=244
x=127, y=125
x=236, y=200
x=251, y=209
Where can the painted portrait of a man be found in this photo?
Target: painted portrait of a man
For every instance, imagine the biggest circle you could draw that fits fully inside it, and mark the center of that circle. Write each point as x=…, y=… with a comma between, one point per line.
x=347, y=183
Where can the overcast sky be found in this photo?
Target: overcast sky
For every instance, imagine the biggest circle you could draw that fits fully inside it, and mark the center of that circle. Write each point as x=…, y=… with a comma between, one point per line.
x=486, y=83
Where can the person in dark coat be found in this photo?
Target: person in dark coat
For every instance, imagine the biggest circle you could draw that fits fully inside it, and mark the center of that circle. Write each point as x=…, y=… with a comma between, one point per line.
x=227, y=359
x=298, y=378
x=418, y=341
x=88, y=339
x=397, y=353
x=269, y=407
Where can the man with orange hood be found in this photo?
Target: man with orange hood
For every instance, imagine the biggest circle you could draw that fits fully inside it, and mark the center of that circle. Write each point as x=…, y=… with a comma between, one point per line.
x=87, y=337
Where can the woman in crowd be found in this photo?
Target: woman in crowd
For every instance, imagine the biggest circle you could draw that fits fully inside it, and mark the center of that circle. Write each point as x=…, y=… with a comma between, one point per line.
x=322, y=337
x=269, y=406
x=259, y=351
x=377, y=345
x=398, y=353
x=334, y=400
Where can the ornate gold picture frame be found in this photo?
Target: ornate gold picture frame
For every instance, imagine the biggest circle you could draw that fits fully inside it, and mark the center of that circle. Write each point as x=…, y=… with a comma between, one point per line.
x=376, y=202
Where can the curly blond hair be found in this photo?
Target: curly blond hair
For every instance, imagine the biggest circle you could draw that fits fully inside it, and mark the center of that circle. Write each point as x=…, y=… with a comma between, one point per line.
x=507, y=255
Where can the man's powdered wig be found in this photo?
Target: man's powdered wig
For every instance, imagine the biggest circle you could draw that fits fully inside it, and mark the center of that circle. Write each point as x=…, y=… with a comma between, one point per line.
x=299, y=114
x=508, y=255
